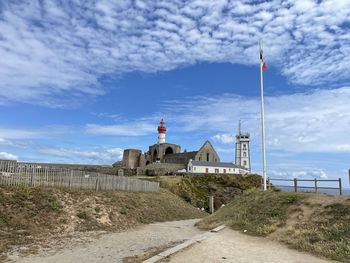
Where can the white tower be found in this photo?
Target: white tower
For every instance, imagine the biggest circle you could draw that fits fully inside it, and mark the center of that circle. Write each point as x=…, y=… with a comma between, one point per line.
x=161, y=132
x=242, y=149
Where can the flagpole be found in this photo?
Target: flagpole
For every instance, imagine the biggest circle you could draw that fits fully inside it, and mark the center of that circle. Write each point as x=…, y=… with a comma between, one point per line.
x=263, y=122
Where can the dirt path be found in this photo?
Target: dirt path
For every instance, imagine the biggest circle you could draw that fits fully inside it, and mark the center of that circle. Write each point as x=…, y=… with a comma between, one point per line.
x=231, y=246
x=114, y=247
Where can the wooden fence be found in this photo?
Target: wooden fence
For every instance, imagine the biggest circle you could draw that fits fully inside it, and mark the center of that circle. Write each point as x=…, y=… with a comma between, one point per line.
x=315, y=187
x=13, y=173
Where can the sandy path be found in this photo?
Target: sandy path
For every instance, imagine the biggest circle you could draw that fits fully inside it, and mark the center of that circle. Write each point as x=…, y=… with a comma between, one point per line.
x=114, y=247
x=231, y=246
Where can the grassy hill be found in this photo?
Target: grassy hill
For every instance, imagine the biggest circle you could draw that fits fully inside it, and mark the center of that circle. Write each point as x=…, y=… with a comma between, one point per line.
x=30, y=216
x=314, y=223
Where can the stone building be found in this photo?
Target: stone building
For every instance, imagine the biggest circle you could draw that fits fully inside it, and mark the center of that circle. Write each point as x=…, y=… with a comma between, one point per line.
x=164, y=158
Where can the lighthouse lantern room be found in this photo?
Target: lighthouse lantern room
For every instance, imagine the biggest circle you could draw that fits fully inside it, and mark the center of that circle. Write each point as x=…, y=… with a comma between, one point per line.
x=161, y=132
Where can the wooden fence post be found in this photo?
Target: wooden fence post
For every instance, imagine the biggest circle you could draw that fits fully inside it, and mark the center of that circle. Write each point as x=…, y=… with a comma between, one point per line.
x=340, y=187
x=316, y=185
x=211, y=204
x=295, y=185
x=97, y=183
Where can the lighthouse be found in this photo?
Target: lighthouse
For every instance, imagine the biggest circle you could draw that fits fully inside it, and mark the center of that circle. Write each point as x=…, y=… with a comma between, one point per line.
x=161, y=132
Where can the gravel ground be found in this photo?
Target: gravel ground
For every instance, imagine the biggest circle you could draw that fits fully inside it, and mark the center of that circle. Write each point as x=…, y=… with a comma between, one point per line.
x=231, y=246
x=114, y=247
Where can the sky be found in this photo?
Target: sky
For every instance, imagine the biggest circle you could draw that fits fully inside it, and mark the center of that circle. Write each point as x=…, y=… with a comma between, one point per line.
x=82, y=80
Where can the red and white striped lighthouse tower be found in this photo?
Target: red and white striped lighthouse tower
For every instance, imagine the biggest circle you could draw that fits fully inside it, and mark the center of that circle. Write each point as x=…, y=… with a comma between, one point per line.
x=161, y=132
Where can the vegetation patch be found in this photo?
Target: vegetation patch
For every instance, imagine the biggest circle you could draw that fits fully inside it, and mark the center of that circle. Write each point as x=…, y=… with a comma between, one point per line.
x=34, y=216
x=256, y=212
x=196, y=189
x=325, y=233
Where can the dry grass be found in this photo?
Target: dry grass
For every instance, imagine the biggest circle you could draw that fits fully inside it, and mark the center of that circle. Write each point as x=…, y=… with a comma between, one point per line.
x=314, y=223
x=322, y=228
x=32, y=216
x=257, y=212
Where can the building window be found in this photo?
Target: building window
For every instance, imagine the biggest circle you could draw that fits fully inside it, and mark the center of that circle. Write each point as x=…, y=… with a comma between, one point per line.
x=189, y=168
x=216, y=170
x=194, y=168
x=244, y=162
x=224, y=171
x=207, y=170
x=207, y=157
x=244, y=146
x=244, y=154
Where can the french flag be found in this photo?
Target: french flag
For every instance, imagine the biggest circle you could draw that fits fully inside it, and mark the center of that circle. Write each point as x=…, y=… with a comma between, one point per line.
x=262, y=61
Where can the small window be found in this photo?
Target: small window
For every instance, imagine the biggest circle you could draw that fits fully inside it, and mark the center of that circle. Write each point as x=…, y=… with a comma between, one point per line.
x=194, y=168
x=207, y=170
x=244, y=162
x=216, y=170
x=244, y=154
x=244, y=146
x=224, y=171
x=208, y=157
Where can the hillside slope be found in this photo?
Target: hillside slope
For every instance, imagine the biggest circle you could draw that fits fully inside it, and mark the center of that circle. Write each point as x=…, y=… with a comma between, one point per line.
x=196, y=189
x=314, y=223
x=30, y=216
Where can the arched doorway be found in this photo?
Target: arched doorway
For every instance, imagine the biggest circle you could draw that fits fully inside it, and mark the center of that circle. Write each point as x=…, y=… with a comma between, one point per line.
x=169, y=150
x=155, y=155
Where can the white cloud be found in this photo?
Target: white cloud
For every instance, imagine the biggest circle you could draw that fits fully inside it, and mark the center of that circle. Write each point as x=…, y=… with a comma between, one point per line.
x=52, y=52
x=303, y=122
x=98, y=155
x=7, y=134
x=8, y=156
x=137, y=128
x=224, y=138
x=300, y=174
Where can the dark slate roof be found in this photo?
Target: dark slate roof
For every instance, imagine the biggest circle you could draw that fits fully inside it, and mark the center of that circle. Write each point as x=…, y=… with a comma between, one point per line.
x=217, y=164
x=183, y=154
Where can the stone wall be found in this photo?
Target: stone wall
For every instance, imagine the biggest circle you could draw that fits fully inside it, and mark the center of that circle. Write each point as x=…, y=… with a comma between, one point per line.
x=155, y=169
x=158, y=151
x=182, y=158
x=207, y=153
x=131, y=158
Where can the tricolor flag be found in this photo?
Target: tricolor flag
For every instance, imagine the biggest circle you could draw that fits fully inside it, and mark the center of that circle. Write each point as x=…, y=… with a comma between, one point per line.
x=262, y=61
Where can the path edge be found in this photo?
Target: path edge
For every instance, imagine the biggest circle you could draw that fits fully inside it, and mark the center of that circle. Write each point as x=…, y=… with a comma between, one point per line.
x=183, y=245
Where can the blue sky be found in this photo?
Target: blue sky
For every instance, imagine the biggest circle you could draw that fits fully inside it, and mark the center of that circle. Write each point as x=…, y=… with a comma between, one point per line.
x=82, y=80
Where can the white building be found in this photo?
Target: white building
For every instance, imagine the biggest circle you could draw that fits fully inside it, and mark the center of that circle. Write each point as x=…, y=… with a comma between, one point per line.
x=242, y=150
x=214, y=168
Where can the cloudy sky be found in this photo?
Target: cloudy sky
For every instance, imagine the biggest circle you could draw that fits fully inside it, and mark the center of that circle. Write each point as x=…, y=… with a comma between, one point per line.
x=82, y=80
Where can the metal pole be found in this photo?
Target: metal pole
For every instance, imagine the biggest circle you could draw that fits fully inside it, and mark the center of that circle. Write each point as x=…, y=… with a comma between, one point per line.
x=263, y=123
